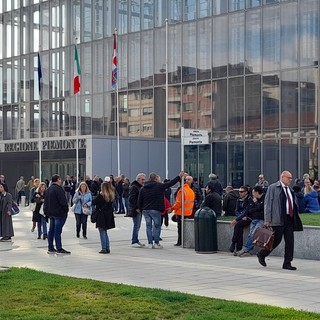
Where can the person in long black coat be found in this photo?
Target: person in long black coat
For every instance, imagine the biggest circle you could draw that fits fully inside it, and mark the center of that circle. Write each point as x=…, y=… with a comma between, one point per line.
x=6, y=226
x=105, y=217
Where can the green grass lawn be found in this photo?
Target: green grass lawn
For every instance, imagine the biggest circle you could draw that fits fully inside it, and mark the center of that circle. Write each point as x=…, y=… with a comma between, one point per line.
x=308, y=219
x=32, y=295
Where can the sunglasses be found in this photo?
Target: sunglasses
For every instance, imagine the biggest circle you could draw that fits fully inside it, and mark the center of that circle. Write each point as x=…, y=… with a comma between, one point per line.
x=241, y=191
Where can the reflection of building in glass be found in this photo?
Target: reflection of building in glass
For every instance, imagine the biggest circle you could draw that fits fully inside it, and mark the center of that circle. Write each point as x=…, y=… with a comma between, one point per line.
x=246, y=71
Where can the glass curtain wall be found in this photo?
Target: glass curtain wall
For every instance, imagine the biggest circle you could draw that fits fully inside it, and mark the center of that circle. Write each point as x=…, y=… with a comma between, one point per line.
x=247, y=71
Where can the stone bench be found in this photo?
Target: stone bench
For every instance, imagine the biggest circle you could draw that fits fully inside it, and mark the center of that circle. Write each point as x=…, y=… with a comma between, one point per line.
x=306, y=244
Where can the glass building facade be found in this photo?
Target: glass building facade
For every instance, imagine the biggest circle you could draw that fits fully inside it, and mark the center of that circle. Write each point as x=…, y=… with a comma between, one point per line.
x=247, y=71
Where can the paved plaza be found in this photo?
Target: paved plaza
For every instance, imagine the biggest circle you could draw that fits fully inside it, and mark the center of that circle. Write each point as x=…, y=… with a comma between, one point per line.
x=219, y=275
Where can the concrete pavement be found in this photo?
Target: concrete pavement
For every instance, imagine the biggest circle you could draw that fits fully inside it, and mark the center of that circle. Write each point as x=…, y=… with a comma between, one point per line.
x=219, y=275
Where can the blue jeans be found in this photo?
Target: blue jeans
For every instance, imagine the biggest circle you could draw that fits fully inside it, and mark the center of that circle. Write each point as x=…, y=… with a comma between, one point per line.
x=42, y=227
x=55, y=230
x=104, y=239
x=19, y=195
x=81, y=220
x=153, y=229
x=136, y=227
x=253, y=226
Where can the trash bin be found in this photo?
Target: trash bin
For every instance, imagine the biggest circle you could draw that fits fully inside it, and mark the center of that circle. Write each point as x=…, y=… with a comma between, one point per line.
x=205, y=231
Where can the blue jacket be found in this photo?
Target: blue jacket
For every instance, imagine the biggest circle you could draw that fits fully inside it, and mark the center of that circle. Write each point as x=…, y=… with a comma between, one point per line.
x=85, y=198
x=311, y=201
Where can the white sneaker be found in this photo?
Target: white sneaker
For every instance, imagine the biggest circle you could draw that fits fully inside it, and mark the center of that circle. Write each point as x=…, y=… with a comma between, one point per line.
x=157, y=246
x=138, y=245
x=150, y=246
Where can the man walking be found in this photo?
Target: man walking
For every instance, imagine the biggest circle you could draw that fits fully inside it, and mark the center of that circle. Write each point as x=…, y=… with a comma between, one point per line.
x=151, y=203
x=281, y=212
x=56, y=208
x=134, y=210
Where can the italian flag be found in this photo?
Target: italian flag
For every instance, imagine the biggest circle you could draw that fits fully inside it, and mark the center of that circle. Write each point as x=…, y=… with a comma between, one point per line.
x=77, y=72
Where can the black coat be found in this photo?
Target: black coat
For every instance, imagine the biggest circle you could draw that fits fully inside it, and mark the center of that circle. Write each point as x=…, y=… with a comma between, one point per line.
x=105, y=217
x=55, y=202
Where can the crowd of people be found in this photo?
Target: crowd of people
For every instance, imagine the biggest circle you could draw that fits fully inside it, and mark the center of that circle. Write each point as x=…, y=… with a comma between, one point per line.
x=274, y=205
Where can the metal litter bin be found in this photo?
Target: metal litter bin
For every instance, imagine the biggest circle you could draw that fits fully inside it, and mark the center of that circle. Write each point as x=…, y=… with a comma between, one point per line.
x=205, y=231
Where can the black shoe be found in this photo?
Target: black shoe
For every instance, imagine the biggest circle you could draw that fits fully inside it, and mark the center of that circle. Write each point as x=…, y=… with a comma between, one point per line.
x=78, y=235
x=53, y=251
x=178, y=244
x=103, y=251
x=39, y=237
x=62, y=251
x=261, y=259
x=160, y=239
x=45, y=237
x=289, y=267
x=85, y=237
x=4, y=239
x=232, y=247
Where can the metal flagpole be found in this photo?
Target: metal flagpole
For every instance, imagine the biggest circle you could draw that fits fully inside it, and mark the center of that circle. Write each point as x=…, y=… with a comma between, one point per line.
x=77, y=140
x=39, y=139
x=167, y=107
x=78, y=72
x=115, y=84
x=182, y=187
x=40, y=115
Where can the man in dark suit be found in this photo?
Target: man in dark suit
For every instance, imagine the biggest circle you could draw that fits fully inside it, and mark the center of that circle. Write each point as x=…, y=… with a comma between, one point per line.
x=281, y=213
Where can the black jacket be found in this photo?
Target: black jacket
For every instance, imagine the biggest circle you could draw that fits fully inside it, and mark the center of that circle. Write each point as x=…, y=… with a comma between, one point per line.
x=230, y=203
x=213, y=201
x=134, y=195
x=256, y=211
x=243, y=206
x=55, y=202
x=105, y=217
x=151, y=195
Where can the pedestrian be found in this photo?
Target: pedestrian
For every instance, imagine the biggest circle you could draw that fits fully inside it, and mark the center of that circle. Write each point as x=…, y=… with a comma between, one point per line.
x=188, y=196
x=36, y=184
x=38, y=217
x=281, y=213
x=151, y=203
x=20, y=185
x=83, y=201
x=134, y=210
x=6, y=225
x=105, y=217
x=56, y=208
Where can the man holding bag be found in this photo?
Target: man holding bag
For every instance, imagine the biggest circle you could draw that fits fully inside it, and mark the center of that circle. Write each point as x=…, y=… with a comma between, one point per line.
x=281, y=213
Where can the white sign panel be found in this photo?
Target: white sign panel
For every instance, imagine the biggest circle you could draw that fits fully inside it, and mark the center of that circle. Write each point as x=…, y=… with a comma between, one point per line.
x=194, y=137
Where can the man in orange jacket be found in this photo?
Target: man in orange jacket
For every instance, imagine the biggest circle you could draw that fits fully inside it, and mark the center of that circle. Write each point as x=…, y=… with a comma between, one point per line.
x=189, y=197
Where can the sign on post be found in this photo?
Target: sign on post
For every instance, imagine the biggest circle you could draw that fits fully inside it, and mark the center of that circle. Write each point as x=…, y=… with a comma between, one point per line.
x=195, y=137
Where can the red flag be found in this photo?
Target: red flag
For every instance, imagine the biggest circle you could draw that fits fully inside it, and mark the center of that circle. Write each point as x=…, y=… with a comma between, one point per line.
x=114, y=78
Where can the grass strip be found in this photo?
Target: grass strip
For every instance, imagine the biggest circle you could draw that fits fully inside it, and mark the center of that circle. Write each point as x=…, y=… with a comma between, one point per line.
x=32, y=295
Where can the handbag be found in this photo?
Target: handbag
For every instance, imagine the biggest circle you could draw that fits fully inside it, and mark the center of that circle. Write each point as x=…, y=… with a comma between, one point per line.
x=14, y=209
x=32, y=206
x=41, y=210
x=86, y=210
x=263, y=238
